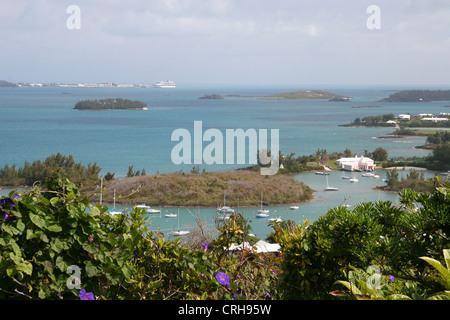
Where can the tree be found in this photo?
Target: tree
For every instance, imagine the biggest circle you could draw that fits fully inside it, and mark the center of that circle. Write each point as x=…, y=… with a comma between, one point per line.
x=380, y=154
x=392, y=178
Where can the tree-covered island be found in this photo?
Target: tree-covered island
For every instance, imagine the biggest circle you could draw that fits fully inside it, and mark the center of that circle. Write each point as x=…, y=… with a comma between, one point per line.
x=300, y=95
x=110, y=104
x=418, y=96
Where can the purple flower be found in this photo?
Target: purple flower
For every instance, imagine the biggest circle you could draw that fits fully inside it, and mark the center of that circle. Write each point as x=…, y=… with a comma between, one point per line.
x=5, y=201
x=238, y=290
x=86, y=295
x=205, y=246
x=6, y=215
x=90, y=239
x=391, y=277
x=268, y=294
x=223, y=278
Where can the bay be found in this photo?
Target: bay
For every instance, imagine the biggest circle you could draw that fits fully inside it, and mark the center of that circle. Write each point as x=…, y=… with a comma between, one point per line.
x=38, y=122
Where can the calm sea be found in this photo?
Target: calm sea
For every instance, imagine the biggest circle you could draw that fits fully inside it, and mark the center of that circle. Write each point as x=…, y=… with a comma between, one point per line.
x=38, y=122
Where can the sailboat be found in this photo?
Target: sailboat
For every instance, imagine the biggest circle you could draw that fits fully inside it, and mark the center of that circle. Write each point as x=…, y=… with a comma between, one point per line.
x=328, y=188
x=224, y=208
x=114, y=211
x=179, y=232
x=262, y=213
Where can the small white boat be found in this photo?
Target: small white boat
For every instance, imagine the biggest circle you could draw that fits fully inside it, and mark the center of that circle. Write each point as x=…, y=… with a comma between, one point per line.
x=142, y=206
x=148, y=209
x=114, y=211
x=353, y=179
x=170, y=215
x=368, y=174
x=225, y=208
x=275, y=220
x=262, y=215
x=376, y=176
x=179, y=232
x=294, y=207
x=328, y=188
x=346, y=177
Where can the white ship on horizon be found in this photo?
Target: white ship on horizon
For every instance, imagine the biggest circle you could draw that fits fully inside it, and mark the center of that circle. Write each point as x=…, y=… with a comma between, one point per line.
x=165, y=84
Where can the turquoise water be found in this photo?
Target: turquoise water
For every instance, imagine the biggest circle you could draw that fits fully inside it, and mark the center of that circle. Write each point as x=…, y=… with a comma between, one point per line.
x=37, y=122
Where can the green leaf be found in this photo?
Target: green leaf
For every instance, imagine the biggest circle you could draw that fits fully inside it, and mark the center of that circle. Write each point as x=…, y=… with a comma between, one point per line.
x=91, y=269
x=54, y=227
x=26, y=267
x=37, y=220
x=61, y=264
x=57, y=245
x=20, y=225
x=54, y=201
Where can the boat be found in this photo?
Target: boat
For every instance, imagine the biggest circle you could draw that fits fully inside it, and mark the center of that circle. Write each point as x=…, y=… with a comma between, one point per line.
x=276, y=219
x=148, y=209
x=328, y=188
x=170, y=215
x=262, y=213
x=179, y=232
x=353, y=179
x=114, y=211
x=294, y=207
x=165, y=84
x=346, y=177
x=368, y=174
x=376, y=176
x=224, y=208
x=151, y=210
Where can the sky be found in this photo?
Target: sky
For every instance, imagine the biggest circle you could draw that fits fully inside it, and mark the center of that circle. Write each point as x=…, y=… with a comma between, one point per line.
x=227, y=42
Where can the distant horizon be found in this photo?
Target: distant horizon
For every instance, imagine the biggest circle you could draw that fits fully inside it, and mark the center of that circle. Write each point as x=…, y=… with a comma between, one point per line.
x=256, y=85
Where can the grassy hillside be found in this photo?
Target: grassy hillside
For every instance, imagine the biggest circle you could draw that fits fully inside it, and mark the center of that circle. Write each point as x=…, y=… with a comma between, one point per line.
x=242, y=188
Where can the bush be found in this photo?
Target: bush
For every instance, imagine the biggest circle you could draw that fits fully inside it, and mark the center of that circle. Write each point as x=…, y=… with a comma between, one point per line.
x=315, y=255
x=55, y=245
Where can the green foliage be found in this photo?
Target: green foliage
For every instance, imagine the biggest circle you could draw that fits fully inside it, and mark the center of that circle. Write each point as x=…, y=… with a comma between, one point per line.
x=380, y=154
x=387, y=287
x=48, y=232
x=316, y=254
x=40, y=170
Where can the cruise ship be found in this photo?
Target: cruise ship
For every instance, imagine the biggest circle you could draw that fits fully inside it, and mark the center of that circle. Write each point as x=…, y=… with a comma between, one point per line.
x=165, y=84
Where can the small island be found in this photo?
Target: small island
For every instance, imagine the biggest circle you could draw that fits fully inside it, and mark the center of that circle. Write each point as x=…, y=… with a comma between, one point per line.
x=212, y=96
x=418, y=96
x=300, y=95
x=110, y=104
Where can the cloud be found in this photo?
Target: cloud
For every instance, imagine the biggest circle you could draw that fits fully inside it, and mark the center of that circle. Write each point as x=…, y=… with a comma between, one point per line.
x=311, y=30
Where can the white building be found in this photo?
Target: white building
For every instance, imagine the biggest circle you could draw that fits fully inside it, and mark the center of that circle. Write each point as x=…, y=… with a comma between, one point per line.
x=404, y=117
x=434, y=119
x=356, y=164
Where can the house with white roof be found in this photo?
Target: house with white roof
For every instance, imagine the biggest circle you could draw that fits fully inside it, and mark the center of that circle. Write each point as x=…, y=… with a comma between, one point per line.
x=356, y=164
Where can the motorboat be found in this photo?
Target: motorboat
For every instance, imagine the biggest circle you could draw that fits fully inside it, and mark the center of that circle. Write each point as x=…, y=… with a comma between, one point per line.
x=170, y=215
x=353, y=179
x=294, y=207
x=147, y=209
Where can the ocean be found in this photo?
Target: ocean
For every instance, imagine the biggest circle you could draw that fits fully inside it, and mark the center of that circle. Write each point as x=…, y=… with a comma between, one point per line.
x=38, y=122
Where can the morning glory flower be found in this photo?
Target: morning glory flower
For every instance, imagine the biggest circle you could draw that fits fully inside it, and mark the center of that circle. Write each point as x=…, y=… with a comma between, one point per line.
x=205, y=246
x=391, y=277
x=86, y=295
x=223, y=278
